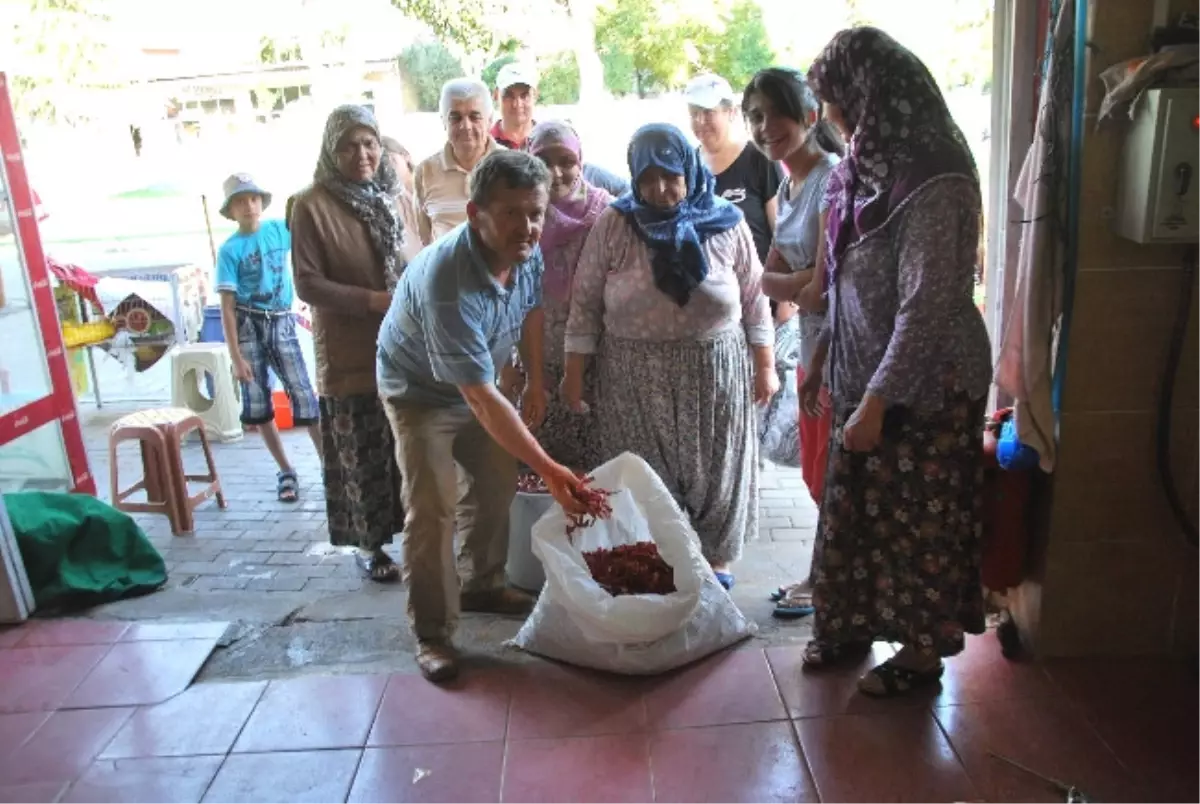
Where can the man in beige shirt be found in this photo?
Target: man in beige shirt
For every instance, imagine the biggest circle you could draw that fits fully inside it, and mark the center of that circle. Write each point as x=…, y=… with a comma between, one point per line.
x=441, y=179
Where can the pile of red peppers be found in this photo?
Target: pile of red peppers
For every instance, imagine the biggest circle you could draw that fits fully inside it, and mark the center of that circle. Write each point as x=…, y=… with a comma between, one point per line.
x=631, y=569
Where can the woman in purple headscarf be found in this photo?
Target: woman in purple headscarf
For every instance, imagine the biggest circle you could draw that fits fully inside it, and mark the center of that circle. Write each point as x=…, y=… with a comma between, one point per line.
x=568, y=437
x=909, y=367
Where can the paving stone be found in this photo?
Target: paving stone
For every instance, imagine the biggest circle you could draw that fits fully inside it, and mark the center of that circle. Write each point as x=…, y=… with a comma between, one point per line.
x=277, y=584
x=792, y=534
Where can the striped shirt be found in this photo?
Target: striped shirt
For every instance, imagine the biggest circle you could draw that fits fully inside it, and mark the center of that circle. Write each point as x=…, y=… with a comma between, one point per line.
x=451, y=323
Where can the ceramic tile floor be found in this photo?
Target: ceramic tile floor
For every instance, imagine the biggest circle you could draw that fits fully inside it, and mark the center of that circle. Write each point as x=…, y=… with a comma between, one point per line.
x=104, y=712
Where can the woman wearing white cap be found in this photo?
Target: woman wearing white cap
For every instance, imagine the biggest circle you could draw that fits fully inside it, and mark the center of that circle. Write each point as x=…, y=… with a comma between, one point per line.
x=745, y=177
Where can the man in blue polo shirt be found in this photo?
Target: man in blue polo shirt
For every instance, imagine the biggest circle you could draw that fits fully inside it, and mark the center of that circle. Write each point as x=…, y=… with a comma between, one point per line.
x=459, y=309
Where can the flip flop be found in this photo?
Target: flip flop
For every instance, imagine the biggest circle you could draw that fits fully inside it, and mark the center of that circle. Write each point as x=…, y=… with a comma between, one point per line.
x=725, y=579
x=792, y=611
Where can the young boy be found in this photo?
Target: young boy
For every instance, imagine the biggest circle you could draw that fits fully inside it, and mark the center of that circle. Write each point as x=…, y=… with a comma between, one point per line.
x=255, y=283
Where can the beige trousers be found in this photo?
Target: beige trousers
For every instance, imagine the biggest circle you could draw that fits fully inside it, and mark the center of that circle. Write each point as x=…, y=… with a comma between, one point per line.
x=455, y=477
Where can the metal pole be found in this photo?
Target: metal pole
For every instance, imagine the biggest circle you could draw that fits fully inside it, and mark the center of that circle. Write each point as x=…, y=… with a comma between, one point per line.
x=212, y=244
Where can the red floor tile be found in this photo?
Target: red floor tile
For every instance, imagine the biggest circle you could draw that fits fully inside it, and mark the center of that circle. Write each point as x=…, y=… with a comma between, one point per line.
x=832, y=690
x=436, y=773
x=31, y=793
x=744, y=762
x=294, y=776
x=981, y=675
x=204, y=719
x=610, y=768
x=554, y=701
x=1157, y=742
x=149, y=780
x=1091, y=682
x=63, y=747
x=1049, y=736
x=315, y=712
x=35, y=679
x=473, y=708
x=142, y=673
x=10, y=635
x=17, y=728
x=731, y=687
x=57, y=633
x=894, y=757
x=146, y=632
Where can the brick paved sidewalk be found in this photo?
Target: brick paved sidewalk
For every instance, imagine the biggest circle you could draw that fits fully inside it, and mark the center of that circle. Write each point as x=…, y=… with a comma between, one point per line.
x=260, y=545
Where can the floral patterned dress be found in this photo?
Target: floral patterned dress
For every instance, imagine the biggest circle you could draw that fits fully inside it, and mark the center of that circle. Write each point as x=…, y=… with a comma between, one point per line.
x=898, y=544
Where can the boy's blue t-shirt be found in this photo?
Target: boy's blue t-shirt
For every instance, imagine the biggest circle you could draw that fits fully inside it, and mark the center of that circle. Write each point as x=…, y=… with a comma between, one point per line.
x=255, y=267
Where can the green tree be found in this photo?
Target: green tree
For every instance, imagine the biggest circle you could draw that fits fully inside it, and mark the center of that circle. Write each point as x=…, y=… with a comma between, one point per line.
x=739, y=47
x=461, y=22
x=647, y=38
x=57, y=50
x=426, y=66
x=559, y=85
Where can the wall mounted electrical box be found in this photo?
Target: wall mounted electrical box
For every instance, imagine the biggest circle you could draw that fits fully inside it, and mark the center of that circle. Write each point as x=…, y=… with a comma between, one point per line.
x=1157, y=196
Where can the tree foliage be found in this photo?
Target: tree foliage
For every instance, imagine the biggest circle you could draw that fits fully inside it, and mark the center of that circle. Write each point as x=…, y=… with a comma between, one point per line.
x=644, y=44
x=738, y=46
x=58, y=50
x=426, y=66
x=461, y=22
x=559, y=85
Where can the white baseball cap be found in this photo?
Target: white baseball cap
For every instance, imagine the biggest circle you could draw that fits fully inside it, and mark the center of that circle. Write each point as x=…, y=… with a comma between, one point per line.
x=708, y=91
x=516, y=73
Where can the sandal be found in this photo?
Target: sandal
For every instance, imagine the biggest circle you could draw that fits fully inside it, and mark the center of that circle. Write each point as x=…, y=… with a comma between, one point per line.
x=287, y=487
x=786, y=591
x=792, y=609
x=819, y=655
x=725, y=579
x=897, y=680
x=378, y=567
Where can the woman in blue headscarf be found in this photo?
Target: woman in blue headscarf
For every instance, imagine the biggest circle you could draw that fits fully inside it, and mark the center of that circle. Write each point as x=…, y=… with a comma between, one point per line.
x=667, y=297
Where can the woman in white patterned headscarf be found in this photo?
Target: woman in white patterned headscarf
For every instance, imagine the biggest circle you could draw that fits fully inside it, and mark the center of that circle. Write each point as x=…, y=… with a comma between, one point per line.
x=346, y=250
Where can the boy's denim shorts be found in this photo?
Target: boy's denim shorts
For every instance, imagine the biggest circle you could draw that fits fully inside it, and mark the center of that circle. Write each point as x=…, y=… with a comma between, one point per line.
x=267, y=340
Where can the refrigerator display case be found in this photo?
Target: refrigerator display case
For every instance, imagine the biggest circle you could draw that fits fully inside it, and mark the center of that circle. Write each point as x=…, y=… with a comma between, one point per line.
x=41, y=443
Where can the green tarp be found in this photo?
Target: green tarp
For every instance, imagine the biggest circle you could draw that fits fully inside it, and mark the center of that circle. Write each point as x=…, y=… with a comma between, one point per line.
x=80, y=551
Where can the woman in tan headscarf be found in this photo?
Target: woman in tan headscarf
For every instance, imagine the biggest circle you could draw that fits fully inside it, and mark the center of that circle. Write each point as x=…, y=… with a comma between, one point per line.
x=347, y=238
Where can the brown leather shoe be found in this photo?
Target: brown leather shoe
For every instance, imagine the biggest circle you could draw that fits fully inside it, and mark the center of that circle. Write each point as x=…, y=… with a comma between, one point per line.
x=499, y=601
x=437, y=660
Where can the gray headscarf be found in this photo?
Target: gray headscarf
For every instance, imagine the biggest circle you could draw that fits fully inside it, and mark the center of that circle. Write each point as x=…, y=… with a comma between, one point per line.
x=372, y=202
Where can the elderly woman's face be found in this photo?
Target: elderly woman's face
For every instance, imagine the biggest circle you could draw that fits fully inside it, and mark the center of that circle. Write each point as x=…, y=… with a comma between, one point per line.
x=358, y=154
x=661, y=189
x=564, y=170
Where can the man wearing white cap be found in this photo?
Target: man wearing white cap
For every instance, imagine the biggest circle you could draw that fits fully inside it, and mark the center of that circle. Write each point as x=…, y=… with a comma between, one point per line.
x=516, y=95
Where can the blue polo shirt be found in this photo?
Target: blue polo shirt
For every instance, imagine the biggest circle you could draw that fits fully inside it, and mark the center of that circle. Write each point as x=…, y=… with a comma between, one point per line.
x=451, y=323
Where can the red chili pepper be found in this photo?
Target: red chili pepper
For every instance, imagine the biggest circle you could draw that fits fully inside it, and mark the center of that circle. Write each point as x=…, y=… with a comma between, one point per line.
x=631, y=569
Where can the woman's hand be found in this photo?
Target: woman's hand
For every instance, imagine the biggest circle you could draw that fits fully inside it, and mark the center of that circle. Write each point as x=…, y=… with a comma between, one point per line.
x=533, y=405
x=380, y=301
x=571, y=389
x=863, y=431
x=811, y=299
x=810, y=392
x=766, y=385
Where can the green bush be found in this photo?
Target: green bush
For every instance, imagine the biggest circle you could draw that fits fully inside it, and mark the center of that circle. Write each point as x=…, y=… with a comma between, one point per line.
x=559, y=84
x=427, y=66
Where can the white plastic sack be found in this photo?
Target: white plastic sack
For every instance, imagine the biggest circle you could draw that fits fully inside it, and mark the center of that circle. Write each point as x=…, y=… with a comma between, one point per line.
x=577, y=621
